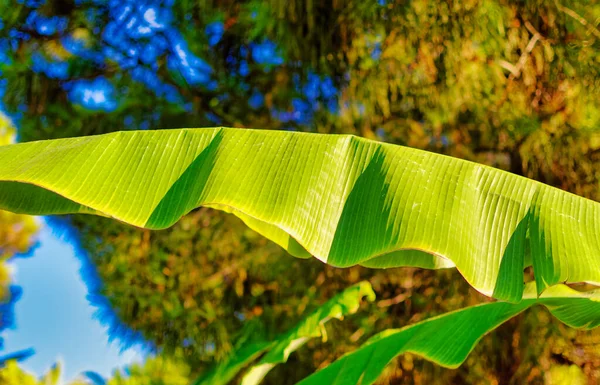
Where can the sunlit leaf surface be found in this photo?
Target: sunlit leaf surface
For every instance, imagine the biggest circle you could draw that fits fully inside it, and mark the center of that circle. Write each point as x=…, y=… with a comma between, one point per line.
x=343, y=199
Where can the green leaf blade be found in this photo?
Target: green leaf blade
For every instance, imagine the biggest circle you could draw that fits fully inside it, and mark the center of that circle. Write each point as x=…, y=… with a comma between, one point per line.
x=345, y=303
x=448, y=339
x=343, y=199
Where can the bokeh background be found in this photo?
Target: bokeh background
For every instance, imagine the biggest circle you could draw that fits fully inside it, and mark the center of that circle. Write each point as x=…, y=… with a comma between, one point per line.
x=512, y=84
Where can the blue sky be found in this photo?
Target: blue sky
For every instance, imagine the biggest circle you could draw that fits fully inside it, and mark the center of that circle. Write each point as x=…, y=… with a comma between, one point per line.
x=54, y=317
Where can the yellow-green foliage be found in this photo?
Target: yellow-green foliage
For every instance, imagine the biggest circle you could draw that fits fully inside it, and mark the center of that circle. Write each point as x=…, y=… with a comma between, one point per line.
x=11, y=374
x=155, y=371
x=565, y=375
x=16, y=231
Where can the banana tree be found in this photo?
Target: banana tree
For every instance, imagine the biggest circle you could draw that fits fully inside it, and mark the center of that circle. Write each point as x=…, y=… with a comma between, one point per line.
x=341, y=199
x=278, y=351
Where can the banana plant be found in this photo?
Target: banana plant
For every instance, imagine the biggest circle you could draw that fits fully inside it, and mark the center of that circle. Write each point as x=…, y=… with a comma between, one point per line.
x=342, y=199
x=448, y=339
x=277, y=351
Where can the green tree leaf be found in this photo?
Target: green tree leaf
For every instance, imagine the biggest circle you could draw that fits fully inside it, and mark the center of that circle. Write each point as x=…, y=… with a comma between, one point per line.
x=278, y=351
x=448, y=339
x=343, y=199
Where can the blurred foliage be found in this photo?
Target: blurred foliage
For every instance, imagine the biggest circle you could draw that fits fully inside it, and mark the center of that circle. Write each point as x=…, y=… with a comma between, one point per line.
x=510, y=84
x=17, y=236
x=567, y=375
x=16, y=231
x=277, y=351
x=11, y=374
x=155, y=371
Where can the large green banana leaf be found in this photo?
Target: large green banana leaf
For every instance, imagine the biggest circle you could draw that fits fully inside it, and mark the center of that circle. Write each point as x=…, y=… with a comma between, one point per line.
x=345, y=303
x=343, y=199
x=448, y=339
